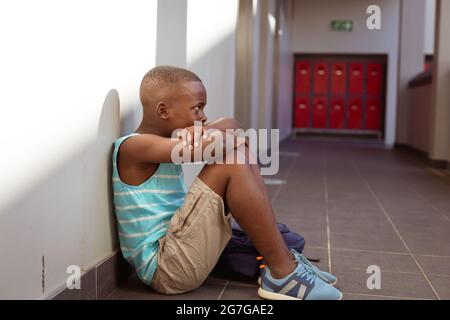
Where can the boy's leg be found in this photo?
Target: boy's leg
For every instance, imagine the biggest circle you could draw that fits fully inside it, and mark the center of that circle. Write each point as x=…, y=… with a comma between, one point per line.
x=200, y=229
x=196, y=236
x=243, y=191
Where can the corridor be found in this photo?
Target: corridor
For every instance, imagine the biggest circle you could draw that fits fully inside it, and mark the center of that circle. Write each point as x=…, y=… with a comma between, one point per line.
x=358, y=205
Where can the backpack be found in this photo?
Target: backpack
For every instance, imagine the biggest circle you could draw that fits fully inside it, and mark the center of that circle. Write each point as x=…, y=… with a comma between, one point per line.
x=238, y=260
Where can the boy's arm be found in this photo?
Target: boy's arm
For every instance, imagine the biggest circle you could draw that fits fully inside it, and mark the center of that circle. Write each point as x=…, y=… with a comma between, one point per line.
x=150, y=148
x=223, y=123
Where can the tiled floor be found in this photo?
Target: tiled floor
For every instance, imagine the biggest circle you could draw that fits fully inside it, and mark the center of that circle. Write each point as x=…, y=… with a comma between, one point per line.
x=357, y=204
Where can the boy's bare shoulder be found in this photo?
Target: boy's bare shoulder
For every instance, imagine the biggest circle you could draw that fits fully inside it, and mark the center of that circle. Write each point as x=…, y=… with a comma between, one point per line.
x=136, y=144
x=146, y=148
x=133, y=170
x=140, y=140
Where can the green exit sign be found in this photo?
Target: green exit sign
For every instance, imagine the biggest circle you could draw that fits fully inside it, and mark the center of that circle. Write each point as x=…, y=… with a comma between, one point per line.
x=342, y=25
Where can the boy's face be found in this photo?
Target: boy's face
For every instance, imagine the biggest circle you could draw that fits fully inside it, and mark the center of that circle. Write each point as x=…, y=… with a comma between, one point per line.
x=188, y=105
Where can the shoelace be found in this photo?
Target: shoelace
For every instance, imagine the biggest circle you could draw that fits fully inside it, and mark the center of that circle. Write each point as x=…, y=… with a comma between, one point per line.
x=309, y=273
x=306, y=262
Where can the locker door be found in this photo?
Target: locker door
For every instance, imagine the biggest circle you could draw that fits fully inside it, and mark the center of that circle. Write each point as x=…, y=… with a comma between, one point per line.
x=320, y=78
x=374, y=78
x=301, y=112
x=337, y=112
x=338, y=78
x=373, y=114
x=356, y=76
x=319, y=112
x=302, y=77
x=354, y=114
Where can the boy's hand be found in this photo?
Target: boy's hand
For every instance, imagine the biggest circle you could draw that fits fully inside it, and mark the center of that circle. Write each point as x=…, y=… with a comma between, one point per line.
x=156, y=149
x=225, y=123
x=192, y=135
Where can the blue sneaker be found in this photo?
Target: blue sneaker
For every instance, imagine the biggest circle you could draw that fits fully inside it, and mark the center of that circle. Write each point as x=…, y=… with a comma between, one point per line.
x=301, y=284
x=325, y=276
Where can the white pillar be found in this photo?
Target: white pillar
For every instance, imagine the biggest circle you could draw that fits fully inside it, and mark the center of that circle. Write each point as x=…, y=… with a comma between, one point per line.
x=411, y=58
x=440, y=113
x=171, y=33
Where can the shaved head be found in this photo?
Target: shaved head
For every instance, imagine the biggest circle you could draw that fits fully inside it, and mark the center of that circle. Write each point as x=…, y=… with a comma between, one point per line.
x=171, y=98
x=170, y=74
x=160, y=78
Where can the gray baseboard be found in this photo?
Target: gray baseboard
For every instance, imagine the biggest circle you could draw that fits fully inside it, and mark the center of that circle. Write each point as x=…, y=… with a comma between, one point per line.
x=434, y=163
x=100, y=281
x=439, y=164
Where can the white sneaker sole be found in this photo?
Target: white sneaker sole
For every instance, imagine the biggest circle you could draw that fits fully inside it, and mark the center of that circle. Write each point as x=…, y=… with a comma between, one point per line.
x=276, y=296
x=273, y=296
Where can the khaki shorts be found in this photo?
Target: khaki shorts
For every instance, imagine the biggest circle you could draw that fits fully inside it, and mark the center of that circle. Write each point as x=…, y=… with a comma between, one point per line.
x=198, y=232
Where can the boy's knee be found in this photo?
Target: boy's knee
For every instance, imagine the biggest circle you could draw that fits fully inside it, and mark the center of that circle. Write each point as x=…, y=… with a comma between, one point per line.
x=240, y=156
x=229, y=168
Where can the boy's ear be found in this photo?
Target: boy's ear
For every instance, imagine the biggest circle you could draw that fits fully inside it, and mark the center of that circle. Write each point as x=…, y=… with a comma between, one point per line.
x=162, y=111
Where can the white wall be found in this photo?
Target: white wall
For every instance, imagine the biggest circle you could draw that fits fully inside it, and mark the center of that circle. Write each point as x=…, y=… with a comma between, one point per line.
x=285, y=71
x=171, y=32
x=411, y=59
x=264, y=62
x=60, y=61
x=244, y=57
x=67, y=69
x=419, y=117
x=256, y=73
x=210, y=53
x=312, y=34
x=249, y=73
x=430, y=21
x=440, y=111
x=211, y=28
x=266, y=71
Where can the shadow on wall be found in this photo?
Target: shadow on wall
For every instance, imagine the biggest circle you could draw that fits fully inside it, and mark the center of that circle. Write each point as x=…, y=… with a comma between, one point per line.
x=212, y=70
x=67, y=218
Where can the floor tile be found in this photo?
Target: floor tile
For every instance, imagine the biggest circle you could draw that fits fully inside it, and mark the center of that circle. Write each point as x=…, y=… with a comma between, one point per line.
x=134, y=289
x=434, y=265
x=236, y=292
x=423, y=239
x=441, y=285
x=392, y=284
x=353, y=182
x=387, y=262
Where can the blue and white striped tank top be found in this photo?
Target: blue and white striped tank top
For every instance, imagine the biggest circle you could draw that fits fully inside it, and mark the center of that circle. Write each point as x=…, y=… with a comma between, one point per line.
x=143, y=212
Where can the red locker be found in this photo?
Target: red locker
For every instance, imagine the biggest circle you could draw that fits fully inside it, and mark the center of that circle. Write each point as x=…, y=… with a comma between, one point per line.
x=354, y=114
x=302, y=112
x=374, y=78
x=320, y=78
x=338, y=78
x=302, y=76
x=337, y=113
x=373, y=114
x=319, y=112
x=356, y=76
x=337, y=94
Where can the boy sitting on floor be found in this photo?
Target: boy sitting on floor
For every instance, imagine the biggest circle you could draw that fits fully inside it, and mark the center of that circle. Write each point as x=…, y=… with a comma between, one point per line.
x=173, y=236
